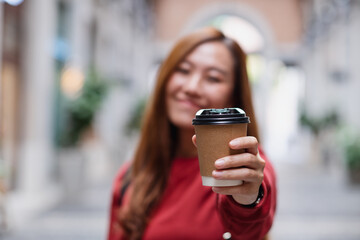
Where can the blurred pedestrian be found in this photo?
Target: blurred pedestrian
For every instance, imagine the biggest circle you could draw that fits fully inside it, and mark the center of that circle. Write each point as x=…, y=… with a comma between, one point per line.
x=159, y=194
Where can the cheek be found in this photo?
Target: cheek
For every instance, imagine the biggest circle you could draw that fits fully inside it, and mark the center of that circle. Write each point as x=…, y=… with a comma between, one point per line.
x=172, y=85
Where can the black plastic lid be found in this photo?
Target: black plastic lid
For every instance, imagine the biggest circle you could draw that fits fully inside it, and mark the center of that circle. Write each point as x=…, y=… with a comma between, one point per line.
x=220, y=116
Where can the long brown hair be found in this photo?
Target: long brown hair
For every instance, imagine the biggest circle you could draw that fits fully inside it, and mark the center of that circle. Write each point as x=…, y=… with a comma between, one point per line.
x=156, y=147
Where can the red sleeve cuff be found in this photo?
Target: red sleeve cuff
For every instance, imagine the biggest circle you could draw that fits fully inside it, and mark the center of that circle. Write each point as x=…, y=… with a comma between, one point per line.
x=243, y=213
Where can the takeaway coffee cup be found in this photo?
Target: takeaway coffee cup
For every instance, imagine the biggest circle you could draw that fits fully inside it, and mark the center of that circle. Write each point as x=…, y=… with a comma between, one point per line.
x=214, y=129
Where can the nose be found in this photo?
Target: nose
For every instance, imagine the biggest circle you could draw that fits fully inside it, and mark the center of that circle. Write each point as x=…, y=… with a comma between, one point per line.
x=192, y=85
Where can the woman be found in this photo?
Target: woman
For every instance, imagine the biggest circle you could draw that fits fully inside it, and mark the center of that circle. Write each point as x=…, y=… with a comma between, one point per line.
x=159, y=195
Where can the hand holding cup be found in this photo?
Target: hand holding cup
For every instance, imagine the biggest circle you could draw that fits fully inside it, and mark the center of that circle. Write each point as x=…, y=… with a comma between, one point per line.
x=247, y=167
x=229, y=160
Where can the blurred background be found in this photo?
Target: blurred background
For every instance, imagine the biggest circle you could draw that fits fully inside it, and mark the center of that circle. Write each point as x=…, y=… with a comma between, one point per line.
x=75, y=76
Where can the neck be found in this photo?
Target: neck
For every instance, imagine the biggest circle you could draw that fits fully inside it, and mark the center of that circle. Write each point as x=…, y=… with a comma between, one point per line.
x=186, y=148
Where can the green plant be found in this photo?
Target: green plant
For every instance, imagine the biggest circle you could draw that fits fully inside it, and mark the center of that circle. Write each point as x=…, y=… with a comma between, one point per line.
x=81, y=111
x=349, y=140
x=352, y=154
x=350, y=143
x=134, y=123
x=316, y=125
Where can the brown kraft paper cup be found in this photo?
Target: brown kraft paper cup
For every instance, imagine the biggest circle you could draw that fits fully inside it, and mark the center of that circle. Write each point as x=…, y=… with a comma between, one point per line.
x=212, y=142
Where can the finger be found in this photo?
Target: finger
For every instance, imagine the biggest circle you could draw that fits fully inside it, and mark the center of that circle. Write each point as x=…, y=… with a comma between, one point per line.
x=245, y=174
x=194, y=140
x=249, y=143
x=240, y=160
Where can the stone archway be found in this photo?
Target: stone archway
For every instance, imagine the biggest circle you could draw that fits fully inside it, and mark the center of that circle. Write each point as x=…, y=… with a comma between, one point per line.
x=209, y=12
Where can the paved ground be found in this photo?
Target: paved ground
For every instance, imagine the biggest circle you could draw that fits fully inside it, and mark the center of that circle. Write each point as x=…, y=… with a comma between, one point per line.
x=314, y=204
x=82, y=218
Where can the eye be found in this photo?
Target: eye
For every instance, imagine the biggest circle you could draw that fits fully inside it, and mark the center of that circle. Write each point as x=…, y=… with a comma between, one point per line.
x=183, y=70
x=213, y=79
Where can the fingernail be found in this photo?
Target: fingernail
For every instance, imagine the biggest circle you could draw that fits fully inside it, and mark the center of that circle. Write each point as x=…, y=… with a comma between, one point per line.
x=234, y=142
x=216, y=174
x=219, y=162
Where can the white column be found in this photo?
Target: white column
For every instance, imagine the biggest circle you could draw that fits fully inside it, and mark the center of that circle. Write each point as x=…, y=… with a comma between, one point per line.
x=353, y=50
x=36, y=148
x=79, y=34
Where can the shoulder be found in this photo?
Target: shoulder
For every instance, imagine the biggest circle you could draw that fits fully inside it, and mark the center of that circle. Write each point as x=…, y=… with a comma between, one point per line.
x=122, y=171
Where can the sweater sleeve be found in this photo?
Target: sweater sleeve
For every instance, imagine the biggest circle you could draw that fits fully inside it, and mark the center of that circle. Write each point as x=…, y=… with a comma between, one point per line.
x=251, y=223
x=114, y=232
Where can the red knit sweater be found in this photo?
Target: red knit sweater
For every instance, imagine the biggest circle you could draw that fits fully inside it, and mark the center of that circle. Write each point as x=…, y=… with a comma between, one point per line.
x=189, y=210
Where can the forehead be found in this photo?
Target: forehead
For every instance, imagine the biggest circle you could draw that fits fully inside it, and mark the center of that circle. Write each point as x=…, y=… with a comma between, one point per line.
x=211, y=53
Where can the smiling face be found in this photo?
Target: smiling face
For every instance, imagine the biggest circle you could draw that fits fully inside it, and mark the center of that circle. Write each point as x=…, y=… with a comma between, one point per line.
x=204, y=79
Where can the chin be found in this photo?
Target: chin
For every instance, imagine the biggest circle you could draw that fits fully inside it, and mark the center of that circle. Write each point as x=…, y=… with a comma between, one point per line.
x=183, y=122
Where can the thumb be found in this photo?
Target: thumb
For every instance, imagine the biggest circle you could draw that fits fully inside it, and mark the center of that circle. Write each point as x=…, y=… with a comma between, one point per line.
x=194, y=140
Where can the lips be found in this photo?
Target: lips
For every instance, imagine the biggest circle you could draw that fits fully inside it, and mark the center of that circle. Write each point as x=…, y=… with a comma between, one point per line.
x=189, y=103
